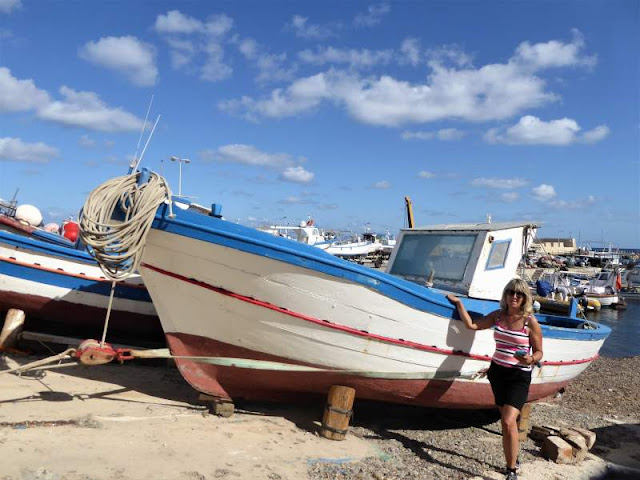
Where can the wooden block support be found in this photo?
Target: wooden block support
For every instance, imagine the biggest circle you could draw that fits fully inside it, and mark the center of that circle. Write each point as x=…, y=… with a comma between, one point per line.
x=223, y=407
x=557, y=450
x=539, y=433
x=588, y=435
x=562, y=444
x=524, y=424
x=13, y=323
x=337, y=412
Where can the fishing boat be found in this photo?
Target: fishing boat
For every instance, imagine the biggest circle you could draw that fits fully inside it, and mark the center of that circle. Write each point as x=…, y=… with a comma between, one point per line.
x=355, y=248
x=604, y=288
x=62, y=289
x=247, y=314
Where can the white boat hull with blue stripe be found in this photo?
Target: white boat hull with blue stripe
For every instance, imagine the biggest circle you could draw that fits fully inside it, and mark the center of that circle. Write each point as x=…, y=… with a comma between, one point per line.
x=224, y=290
x=63, y=290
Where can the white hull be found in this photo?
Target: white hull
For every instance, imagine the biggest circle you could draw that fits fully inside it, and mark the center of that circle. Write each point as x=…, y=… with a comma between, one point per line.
x=304, y=298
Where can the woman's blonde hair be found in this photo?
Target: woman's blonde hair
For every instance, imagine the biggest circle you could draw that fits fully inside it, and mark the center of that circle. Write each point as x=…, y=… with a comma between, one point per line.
x=518, y=285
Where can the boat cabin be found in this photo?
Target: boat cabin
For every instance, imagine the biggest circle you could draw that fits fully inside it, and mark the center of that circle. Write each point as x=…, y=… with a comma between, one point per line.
x=476, y=260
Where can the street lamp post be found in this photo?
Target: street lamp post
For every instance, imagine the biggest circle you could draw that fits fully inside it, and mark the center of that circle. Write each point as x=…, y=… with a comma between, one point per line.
x=180, y=162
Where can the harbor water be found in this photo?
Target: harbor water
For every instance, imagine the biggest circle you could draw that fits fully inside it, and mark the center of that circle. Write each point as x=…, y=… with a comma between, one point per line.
x=624, y=340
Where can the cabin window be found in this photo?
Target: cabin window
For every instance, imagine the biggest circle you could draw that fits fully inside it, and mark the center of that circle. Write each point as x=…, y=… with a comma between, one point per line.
x=445, y=255
x=498, y=254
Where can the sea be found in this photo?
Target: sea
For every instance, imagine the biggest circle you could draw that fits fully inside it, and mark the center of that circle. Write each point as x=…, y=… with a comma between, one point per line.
x=624, y=340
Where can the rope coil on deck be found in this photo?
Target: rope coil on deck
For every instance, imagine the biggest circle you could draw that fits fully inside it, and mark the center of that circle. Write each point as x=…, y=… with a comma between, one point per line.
x=117, y=244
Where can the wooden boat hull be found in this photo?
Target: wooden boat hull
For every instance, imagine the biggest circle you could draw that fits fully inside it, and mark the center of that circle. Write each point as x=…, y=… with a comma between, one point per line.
x=63, y=289
x=221, y=289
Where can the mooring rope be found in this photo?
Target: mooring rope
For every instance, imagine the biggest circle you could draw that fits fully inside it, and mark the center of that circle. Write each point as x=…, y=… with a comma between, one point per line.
x=117, y=245
x=246, y=363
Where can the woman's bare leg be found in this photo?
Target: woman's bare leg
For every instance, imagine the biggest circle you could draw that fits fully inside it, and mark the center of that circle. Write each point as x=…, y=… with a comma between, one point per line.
x=509, y=421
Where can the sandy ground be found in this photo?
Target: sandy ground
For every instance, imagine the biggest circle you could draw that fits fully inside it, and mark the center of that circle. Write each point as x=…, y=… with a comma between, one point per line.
x=136, y=422
x=132, y=422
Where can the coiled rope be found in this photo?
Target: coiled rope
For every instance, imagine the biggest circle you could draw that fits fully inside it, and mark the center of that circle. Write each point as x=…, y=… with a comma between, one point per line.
x=116, y=244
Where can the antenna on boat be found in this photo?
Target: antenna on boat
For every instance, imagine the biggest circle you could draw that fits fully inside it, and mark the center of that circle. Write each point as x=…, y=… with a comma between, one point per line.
x=136, y=161
x=147, y=144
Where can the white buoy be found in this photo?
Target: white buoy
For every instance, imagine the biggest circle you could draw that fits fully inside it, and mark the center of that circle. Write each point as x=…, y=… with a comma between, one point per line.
x=536, y=306
x=29, y=214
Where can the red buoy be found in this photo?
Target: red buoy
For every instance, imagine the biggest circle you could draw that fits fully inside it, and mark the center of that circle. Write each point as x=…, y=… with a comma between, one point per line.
x=70, y=230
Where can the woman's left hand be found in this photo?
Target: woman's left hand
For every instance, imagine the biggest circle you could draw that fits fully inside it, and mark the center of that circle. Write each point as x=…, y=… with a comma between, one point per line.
x=526, y=359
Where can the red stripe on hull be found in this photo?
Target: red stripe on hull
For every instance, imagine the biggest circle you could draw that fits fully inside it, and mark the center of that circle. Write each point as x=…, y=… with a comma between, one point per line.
x=76, y=316
x=335, y=326
x=232, y=382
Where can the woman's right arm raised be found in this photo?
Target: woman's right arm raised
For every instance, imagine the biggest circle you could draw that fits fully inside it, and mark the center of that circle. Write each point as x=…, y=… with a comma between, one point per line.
x=480, y=323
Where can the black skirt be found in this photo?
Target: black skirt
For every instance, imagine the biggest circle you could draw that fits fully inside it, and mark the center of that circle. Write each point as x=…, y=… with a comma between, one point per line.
x=510, y=385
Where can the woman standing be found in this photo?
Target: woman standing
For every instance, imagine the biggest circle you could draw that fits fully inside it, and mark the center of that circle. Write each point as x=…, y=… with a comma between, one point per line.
x=518, y=347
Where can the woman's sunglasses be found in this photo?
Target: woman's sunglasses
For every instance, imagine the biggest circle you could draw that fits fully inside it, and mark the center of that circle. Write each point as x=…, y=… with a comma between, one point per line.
x=515, y=293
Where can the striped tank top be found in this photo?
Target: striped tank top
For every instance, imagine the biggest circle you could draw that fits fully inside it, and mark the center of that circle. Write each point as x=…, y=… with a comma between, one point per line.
x=508, y=342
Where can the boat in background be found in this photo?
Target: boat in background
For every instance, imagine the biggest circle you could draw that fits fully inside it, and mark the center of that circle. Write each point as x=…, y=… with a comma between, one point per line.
x=281, y=319
x=307, y=232
x=62, y=289
x=354, y=248
x=604, y=288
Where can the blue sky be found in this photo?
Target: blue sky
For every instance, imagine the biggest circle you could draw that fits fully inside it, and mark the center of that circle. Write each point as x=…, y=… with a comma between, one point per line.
x=521, y=110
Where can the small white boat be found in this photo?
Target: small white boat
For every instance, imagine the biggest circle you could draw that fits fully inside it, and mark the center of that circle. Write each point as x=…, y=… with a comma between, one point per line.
x=352, y=249
x=604, y=288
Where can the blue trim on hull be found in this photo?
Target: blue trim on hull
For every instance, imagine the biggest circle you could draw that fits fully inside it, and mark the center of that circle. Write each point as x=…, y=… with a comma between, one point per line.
x=123, y=291
x=217, y=231
x=28, y=243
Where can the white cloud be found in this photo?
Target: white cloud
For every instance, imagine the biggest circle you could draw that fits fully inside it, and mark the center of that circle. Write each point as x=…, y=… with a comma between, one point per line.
x=410, y=49
x=181, y=52
x=247, y=155
x=300, y=97
x=19, y=95
x=192, y=41
x=364, y=58
x=373, y=15
x=218, y=25
x=543, y=192
x=492, y=92
x=382, y=185
x=214, y=68
x=449, y=55
x=509, y=197
x=531, y=130
x=503, y=183
x=308, y=31
x=444, y=134
x=86, y=110
x=575, y=204
x=86, y=142
x=271, y=67
x=554, y=54
x=126, y=55
x=595, y=135
x=7, y=6
x=297, y=175
x=78, y=109
x=15, y=150
x=450, y=134
x=409, y=135
x=175, y=22
x=425, y=174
